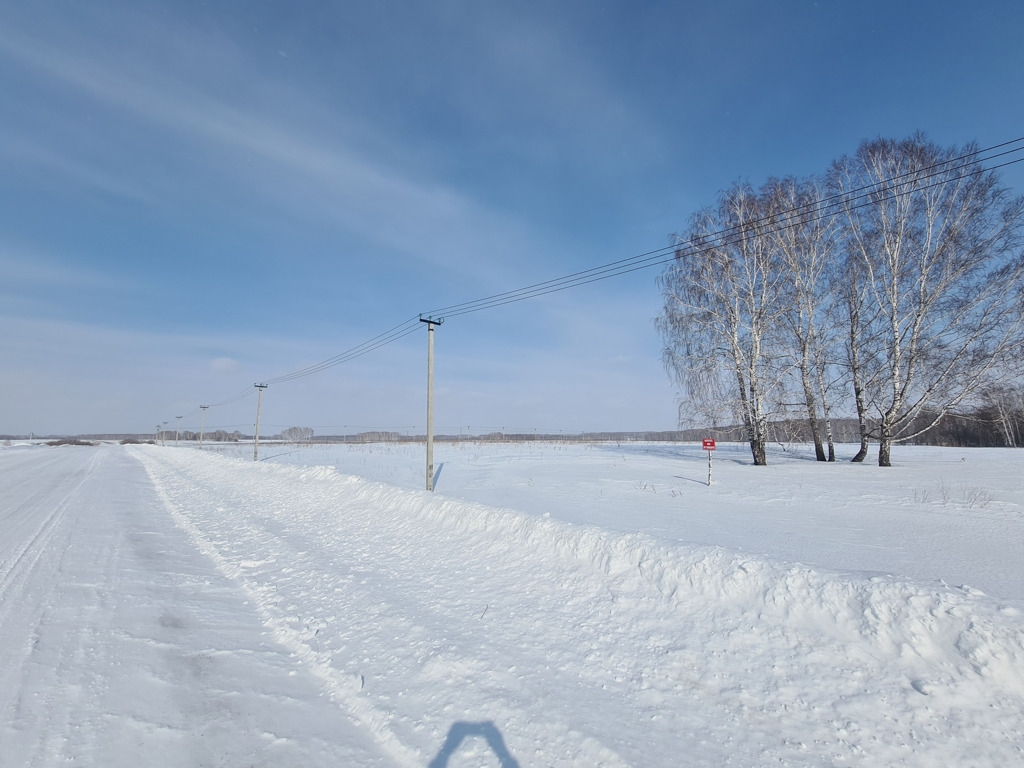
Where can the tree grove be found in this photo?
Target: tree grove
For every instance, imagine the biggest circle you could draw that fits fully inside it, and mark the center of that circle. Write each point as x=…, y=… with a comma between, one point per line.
x=892, y=287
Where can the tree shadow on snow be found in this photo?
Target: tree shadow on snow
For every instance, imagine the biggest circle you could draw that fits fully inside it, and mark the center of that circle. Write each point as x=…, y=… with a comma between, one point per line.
x=697, y=481
x=459, y=732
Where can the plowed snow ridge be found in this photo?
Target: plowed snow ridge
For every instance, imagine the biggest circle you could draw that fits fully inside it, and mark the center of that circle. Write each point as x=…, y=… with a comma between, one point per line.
x=587, y=647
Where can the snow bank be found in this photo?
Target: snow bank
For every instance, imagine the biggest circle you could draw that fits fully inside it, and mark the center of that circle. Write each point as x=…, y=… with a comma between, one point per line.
x=450, y=607
x=956, y=629
x=955, y=626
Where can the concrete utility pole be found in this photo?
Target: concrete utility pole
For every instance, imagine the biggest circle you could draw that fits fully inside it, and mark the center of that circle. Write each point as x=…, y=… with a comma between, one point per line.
x=256, y=438
x=177, y=431
x=202, y=426
x=163, y=435
x=431, y=322
x=156, y=437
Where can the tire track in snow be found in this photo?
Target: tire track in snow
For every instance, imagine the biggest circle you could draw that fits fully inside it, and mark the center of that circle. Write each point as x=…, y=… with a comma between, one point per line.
x=30, y=547
x=126, y=647
x=341, y=687
x=28, y=582
x=393, y=694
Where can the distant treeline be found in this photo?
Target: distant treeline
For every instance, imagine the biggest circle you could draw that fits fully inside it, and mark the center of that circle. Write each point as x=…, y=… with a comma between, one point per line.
x=985, y=428
x=997, y=423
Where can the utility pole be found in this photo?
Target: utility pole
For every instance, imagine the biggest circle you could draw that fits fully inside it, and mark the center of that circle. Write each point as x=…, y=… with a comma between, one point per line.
x=177, y=431
x=202, y=426
x=163, y=435
x=431, y=322
x=156, y=437
x=256, y=439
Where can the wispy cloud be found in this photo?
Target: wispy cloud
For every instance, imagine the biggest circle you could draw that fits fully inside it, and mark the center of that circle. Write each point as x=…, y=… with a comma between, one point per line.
x=288, y=161
x=556, y=79
x=77, y=171
x=130, y=378
x=28, y=267
x=199, y=161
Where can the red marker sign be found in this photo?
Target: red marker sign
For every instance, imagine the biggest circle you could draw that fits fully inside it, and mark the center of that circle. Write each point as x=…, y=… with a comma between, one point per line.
x=709, y=444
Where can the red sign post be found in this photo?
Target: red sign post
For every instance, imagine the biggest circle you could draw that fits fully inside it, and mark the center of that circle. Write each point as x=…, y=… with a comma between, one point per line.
x=709, y=446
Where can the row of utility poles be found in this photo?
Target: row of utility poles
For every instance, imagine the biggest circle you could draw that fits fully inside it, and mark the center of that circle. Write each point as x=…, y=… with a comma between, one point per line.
x=177, y=431
x=431, y=322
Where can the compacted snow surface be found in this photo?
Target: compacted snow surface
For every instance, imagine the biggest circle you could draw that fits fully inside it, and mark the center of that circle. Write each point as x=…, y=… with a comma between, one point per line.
x=547, y=605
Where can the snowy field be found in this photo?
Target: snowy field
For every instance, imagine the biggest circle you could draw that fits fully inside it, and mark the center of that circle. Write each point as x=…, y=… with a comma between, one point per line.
x=548, y=605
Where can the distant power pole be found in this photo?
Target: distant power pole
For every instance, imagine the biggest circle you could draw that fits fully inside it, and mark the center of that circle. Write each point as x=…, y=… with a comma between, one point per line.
x=177, y=431
x=156, y=437
x=163, y=434
x=256, y=439
x=431, y=322
x=202, y=426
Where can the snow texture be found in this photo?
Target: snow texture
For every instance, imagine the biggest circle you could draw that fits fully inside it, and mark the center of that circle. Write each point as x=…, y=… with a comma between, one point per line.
x=548, y=605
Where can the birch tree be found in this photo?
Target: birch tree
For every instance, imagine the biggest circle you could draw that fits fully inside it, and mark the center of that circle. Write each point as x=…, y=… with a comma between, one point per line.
x=934, y=251
x=1005, y=406
x=799, y=228
x=723, y=301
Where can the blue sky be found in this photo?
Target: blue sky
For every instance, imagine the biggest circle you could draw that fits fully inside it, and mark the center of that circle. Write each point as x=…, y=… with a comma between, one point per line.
x=198, y=196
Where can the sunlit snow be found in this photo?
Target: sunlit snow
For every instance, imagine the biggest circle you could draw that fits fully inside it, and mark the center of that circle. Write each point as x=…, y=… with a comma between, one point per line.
x=549, y=605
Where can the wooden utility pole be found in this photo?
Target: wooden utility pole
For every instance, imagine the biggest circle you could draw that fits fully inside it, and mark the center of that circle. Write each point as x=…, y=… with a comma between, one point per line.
x=202, y=426
x=256, y=438
x=431, y=322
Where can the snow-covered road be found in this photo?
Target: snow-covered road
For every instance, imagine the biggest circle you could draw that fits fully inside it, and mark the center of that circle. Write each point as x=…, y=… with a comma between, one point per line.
x=123, y=645
x=175, y=608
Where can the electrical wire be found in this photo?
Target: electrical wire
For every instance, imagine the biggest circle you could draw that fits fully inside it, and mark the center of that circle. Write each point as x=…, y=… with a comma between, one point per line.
x=791, y=217
x=247, y=392
x=383, y=339
x=863, y=196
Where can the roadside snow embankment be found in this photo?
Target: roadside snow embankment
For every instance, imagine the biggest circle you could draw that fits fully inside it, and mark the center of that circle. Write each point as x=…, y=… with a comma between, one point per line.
x=957, y=627
x=585, y=646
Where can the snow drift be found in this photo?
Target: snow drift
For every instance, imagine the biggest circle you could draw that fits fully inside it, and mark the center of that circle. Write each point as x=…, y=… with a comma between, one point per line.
x=589, y=647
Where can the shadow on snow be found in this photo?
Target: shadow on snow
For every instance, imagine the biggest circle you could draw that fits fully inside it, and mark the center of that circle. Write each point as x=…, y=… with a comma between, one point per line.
x=459, y=732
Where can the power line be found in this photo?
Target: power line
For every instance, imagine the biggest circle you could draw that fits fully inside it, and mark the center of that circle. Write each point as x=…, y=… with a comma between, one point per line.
x=863, y=196
x=247, y=392
x=383, y=339
x=867, y=193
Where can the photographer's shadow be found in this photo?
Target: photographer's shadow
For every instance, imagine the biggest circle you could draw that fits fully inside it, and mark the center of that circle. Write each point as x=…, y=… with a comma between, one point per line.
x=459, y=732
